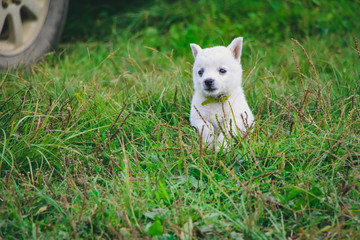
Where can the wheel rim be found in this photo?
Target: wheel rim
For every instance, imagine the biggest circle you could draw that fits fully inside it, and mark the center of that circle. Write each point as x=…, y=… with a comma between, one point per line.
x=20, y=24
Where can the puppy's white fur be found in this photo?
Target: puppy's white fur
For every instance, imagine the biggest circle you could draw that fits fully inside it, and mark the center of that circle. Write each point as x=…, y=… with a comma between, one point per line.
x=215, y=119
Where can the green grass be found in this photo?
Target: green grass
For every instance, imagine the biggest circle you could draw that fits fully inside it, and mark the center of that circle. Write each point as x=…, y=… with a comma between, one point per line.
x=95, y=141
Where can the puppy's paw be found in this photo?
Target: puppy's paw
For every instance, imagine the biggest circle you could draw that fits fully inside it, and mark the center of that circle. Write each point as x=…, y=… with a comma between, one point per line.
x=222, y=144
x=224, y=147
x=207, y=137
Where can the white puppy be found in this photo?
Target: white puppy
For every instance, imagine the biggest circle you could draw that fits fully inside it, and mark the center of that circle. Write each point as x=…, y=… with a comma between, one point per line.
x=219, y=107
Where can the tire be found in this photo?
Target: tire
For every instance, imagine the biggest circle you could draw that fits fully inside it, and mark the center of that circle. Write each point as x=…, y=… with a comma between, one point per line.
x=29, y=29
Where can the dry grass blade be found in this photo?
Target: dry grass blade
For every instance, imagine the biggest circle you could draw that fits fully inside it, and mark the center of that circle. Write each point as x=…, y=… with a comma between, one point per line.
x=3, y=79
x=157, y=127
x=202, y=118
x=357, y=47
x=232, y=174
x=254, y=157
x=222, y=129
x=117, y=118
x=297, y=66
x=112, y=61
x=271, y=173
x=307, y=56
x=307, y=91
x=89, y=100
x=83, y=201
x=176, y=105
x=167, y=149
x=121, y=125
x=355, y=169
x=128, y=183
x=201, y=154
x=68, y=119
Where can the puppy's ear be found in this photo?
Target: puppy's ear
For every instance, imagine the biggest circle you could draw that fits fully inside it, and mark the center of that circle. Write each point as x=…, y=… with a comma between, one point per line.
x=235, y=47
x=195, y=49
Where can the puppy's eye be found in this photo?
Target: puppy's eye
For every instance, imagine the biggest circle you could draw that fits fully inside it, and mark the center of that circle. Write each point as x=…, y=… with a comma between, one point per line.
x=201, y=72
x=221, y=70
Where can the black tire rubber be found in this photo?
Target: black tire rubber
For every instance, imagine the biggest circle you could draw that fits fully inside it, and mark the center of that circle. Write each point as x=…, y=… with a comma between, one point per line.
x=47, y=39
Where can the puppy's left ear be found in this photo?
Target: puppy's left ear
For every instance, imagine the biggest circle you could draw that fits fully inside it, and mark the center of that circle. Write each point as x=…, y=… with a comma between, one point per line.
x=235, y=47
x=195, y=49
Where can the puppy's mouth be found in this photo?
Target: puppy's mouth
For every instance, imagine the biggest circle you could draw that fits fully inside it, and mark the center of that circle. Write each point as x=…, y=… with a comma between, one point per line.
x=210, y=89
x=211, y=92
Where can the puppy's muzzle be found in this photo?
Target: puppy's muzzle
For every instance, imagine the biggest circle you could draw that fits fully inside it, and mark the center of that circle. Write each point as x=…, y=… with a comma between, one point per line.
x=209, y=84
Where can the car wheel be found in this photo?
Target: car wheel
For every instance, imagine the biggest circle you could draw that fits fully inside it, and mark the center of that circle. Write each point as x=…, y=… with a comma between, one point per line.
x=29, y=29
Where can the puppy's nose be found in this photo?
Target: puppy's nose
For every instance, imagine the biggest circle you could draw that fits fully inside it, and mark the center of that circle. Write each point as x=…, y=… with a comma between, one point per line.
x=208, y=82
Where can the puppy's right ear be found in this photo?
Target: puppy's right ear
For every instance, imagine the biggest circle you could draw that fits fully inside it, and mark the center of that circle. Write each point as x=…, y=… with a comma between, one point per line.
x=195, y=49
x=235, y=47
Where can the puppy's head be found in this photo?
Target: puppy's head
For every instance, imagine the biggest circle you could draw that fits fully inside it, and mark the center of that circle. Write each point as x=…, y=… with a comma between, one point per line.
x=217, y=70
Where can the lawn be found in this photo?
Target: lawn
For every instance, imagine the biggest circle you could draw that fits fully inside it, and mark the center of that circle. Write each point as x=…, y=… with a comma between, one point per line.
x=95, y=140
